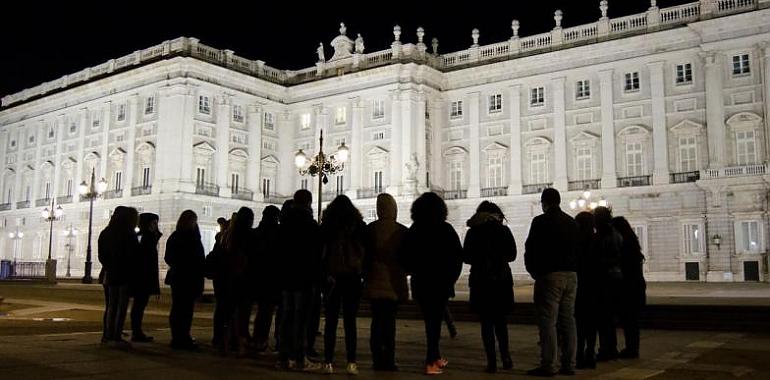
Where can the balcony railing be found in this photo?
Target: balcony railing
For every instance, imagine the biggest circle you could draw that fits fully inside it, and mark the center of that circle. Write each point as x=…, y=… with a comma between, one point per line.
x=494, y=192
x=275, y=198
x=454, y=194
x=586, y=184
x=535, y=188
x=328, y=196
x=640, y=180
x=64, y=199
x=22, y=204
x=242, y=194
x=111, y=194
x=207, y=189
x=43, y=202
x=141, y=190
x=5, y=206
x=735, y=171
x=26, y=269
x=685, y=177
x=367, y=193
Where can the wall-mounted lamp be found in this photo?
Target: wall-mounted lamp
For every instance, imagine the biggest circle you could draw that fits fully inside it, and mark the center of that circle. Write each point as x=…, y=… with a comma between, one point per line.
x=716, y=240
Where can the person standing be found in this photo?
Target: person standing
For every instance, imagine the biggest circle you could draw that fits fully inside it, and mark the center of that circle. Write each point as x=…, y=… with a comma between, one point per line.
x=489, y=248
x=550, y=259
x=237, y=243
x=186, y=261
x=610, y=277
x=586, y=302
x=633, y=287
x=144, y=281
x=267, y=290
x=433, y=256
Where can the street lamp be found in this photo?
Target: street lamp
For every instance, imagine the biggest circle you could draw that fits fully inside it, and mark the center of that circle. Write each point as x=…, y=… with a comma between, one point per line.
x=321, y=166
x=70, y=232
x=586, y=203
x=51, y=215
x=91, y=191
x=15, y=236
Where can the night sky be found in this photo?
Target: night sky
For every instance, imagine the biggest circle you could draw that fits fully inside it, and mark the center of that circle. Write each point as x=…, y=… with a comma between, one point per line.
x=44, y=41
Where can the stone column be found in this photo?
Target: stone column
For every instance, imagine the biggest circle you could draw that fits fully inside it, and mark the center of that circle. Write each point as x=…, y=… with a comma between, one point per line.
x=254, y=164
x=57, y=154
x=106, y=125
x=286, y=170
x=609, y=173
x=559, y=134
x=80, y=151
x=395, y=143
x=133, y=114
x=18, y=178
x=420, y=144
x=514, y=182
x=474, y=177
x=715, y=110
x=221, y=161
x=408, y=146
x=764, y=53
x=356, y=160
x=175, y=137
x=439, y=118
x=3, y=157
x=660, y=174
x=36, y=164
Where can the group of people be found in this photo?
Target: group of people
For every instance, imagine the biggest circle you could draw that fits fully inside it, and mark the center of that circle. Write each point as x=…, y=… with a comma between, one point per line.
x=290, y=265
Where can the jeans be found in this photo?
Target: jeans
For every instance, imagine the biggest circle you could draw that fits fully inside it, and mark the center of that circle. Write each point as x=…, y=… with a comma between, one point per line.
x=629, y=319
x=117, y=305
x=586, y=314
x=433, y=315
x=383, y=332
x=181, y=315
x=296, y=305
x=555, y=310
x=137, y=313
x=314, y=318
x=493, y=325
x=345, y=293
x=609, y=301
x=262, y=322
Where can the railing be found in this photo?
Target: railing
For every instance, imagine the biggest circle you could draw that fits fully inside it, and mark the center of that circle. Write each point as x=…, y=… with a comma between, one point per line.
x=535, y=188
x=141, y=190
x=495, y=50
x=111, y=194
x=207, y=189
x=23, y=204
x=629, y=23
x=685, y=177
x=538, y=41
x=42, y=202
x=641, y=180
x=454, y=194
x=735, y=171
x=5, y=206
x=25, y=269
x=681, y=13
x=379, y=57
x=64, y=199
x=494, y=192
x=242, y=194
x=581, y=33
x=732, y=6
x=586, y=184
x=275, y=198
x=367, y=193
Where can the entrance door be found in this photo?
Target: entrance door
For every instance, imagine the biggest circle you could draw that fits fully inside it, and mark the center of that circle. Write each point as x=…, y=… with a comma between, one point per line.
x=692, y=271
x=751, y=271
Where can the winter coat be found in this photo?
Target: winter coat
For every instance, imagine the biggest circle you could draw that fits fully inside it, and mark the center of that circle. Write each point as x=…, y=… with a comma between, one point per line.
x=264, y=260
x=634, y=287
x=186, y=261
x=144, y=277
x=300, y=262
x=384, y=276
x=116, y=250
x=489, y=247
x=343, y=251
x=550, y=245
x=433, y=256
x=607, y=249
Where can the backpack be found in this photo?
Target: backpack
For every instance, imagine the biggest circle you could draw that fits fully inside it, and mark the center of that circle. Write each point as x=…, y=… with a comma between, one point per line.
x=344, y=256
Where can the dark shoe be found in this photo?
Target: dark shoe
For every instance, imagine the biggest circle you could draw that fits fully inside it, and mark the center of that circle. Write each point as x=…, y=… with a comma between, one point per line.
x=507, y=363
x=187, y=346
x=540, y=372
x=567, y=372
x=628, y=354
x=605, y=356
x=141, y=338
x=452, y=331
x=491, y=367
x=589, y=359
x=313, y=356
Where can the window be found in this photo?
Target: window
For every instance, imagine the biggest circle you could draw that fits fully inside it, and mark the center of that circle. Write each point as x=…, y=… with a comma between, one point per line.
x=31, y=139
x=584, y=162
x=378, y=181
x=51, y=132
x=371, y=213
x=537, y=96
x=95, y=124
x=121, y=112
x=304, y=121
x=693, y=238
x=340, y=184
x=149, y=105
x=200, y=177
x=118, y=180
x=68, y=189
x=632, y=82
x=378, y=136
x=27, y=193
x=266, y=187
x=641, y=234
x=457, y=110
x=688, y=154
x=268, y=145
x=741, y=64
x=235, y=182
x=583, y=89
x=684, y=73
x=145, y=177
x=73, y=128
x=746, y=151
x=238, y=113
x=48, y=190
x=634, y=156
x=303, y=184
x=748, y=236
x=269, y=121
x=13, y=143
x=495, y=104
x=538, y=167
x=378, y=109
x=206, y=210
x=495, y=171
x=340, y=115
x=456, y=175
x=203, y=105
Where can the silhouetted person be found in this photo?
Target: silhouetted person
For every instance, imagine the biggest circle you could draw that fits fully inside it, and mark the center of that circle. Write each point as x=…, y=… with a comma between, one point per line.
x=489, y=248
x=587, y=301
x=449, y=319
x=144, y=279
x=214, y=272
x=550, y=258
x=299, y=269
x=266, y=287
x=384, y=281
x=433, y=256
x=607, y=253
x=117, y=245
x=186, y=261
x=237, y=243
x=633, y=289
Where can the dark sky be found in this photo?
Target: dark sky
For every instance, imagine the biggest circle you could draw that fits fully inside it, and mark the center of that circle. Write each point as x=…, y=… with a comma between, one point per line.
x=44, y=41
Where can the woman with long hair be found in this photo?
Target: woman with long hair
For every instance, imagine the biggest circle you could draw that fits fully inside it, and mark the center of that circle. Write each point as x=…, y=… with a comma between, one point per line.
x=343, y=255
x=145, y=273
x=489, y=248
x=266, y=288
x=433, y=256
x=186, y=261
x=633, y=286
x=237, y=241
x=587, y=299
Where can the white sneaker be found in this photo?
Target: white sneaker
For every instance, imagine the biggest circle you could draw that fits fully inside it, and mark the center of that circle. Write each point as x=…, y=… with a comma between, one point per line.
x=327, y=369
x=311, y=366
x=352, y=369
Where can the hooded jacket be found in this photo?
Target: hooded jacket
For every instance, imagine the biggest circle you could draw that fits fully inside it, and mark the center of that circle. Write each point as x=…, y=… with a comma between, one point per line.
x=384, y=277
x=489, y=247
x=144, y=279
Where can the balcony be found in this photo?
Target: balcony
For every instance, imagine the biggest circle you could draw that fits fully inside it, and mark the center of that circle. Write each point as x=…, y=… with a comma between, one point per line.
x=454, y=194
x=5, y=206
x=735, y=171
x=275, y=198
x=141, y=190
x=43, y=202
x=64, y=199
x=586, y=184
x=22, y=204
x=367, y=193
x=535, y=188
x=494, y=192
x=207, y=189
x=641, y=180
x=111, y=194
x=685, y=177
x=242, y=194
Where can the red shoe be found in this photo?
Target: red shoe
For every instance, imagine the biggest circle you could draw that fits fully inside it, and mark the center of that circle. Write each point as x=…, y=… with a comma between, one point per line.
x=442, y=363
x=433, y=369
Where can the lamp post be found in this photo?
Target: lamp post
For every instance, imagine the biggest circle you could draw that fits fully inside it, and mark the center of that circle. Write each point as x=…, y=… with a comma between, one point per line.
x=70, y=233
x=321, y=166
x=585, y=203
x=91, y=191
x=51, y=215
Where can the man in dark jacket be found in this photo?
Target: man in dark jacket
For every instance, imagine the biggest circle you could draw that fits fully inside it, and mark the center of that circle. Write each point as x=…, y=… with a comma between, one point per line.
x=550, y=258
x=144, y=281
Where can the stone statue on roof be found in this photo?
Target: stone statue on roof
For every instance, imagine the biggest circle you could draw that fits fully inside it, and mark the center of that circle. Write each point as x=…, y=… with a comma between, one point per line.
x=320, y=51
x=342, y=44
x=359, y=44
